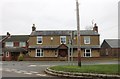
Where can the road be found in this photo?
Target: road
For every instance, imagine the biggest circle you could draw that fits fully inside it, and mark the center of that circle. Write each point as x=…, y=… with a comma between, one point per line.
x=34, y=69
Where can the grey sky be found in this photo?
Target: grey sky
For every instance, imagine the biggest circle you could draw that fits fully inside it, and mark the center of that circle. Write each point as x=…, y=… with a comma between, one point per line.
x=17, y=16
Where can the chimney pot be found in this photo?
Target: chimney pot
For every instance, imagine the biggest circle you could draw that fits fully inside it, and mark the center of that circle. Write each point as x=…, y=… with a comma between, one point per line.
x=33, y=27
x=95, y=28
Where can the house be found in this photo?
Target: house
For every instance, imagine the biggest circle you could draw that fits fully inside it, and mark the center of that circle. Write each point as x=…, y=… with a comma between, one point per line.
x=13, y=46
x=110, y=48
x=56, y=44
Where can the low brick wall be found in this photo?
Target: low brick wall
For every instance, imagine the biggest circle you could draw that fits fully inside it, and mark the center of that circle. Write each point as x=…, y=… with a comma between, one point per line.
x=44, y=59
x=65, y=58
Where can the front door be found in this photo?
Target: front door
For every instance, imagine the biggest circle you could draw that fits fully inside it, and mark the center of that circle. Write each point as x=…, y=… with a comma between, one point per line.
x=63, y=53
x=15, y=56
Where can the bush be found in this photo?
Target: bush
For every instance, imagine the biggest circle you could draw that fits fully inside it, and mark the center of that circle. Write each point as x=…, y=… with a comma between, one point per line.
x=21, y=57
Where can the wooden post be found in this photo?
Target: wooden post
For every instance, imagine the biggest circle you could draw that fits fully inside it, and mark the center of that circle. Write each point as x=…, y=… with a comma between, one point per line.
x=78, y=34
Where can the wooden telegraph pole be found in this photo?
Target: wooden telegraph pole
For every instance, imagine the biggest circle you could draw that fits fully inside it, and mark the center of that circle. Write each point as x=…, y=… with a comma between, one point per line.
x=78, y=34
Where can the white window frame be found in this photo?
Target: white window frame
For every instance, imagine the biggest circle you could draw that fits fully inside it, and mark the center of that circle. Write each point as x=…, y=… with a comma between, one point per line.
x=7, y=54
x=62, y=37
x=85, y=52
x=22, y=44
x=41, y=52
x=40, y=38
x=86, y=39
x=9, y=44
x=56, y=54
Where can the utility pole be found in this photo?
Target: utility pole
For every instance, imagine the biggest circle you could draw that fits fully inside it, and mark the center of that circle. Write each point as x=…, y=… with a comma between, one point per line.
x=72, y=45
x=78, y=34
x=69, y=52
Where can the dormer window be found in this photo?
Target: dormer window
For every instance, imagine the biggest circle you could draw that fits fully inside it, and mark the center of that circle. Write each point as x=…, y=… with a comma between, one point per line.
x=87, y=40
x=62, y=39
x=39, y=40
x=22, y=44
x=9, y=44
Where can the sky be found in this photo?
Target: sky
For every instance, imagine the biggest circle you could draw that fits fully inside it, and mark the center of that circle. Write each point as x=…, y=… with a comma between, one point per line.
x=18, y=16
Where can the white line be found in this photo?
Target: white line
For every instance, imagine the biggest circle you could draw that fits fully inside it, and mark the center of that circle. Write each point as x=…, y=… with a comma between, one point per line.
x=47, y=65
x=34, y=72
x=1, y=69
x=13, y=69
x=32, y=65
x=8, y=70
x=41, y=74
x=23, y=71
x=18, y=71
x=28, y=73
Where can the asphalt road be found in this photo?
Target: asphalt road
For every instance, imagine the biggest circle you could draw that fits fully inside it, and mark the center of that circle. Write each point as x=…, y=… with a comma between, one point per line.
x=35, y=69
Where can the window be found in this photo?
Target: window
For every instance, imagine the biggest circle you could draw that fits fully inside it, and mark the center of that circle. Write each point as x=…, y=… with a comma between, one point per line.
x=9, y=44
x=63, y=39
x=87, y=53
x=39, y=52
x=87, y=40
x=56, y=54
x=22, y=44
x=106, y=51
x=39, y=40
x=7, y=54
x=1, y=54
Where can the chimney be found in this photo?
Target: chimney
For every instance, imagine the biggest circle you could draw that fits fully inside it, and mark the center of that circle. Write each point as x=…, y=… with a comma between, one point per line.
x=8, y=34
x=95, y=28
x=33, y=27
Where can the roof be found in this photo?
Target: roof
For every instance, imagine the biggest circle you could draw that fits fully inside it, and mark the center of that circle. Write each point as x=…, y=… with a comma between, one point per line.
x=57, y=46
x=114, y=43
x=14, y=49
x=62, y=32
x=21, y=38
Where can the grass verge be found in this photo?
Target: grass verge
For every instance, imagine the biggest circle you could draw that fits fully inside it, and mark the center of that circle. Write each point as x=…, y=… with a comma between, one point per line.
x=100, y=69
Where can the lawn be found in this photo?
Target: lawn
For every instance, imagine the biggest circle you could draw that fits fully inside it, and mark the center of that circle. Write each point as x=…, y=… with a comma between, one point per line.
x=101, y=69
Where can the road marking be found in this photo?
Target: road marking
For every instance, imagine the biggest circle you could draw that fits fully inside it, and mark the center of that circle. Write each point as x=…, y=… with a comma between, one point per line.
x=18, y=71
x=34, y=72
x=28, y=73
x=13, y=69
x=32, y=65
x=8, y=70
x=44, y=65
x=41, y=74
x=39, y=65
x=23, y=71
x=1, y=69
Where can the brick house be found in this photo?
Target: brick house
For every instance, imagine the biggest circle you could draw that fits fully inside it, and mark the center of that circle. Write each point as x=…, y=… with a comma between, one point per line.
x=110, y=48
x=13, y=46
x=56, y=44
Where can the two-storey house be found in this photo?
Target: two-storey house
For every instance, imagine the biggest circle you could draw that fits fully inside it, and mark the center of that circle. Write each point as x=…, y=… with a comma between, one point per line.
x=13, y=46
x=56, y=44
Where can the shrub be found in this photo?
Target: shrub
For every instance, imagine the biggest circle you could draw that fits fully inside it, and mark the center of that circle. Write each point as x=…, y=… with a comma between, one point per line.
x=21, y=57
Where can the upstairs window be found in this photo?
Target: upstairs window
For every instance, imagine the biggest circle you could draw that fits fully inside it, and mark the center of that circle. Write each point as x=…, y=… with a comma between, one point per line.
x=22, y=44
x=87, y=40
x=63, y=39
x=9, y=44
x=39, y=40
